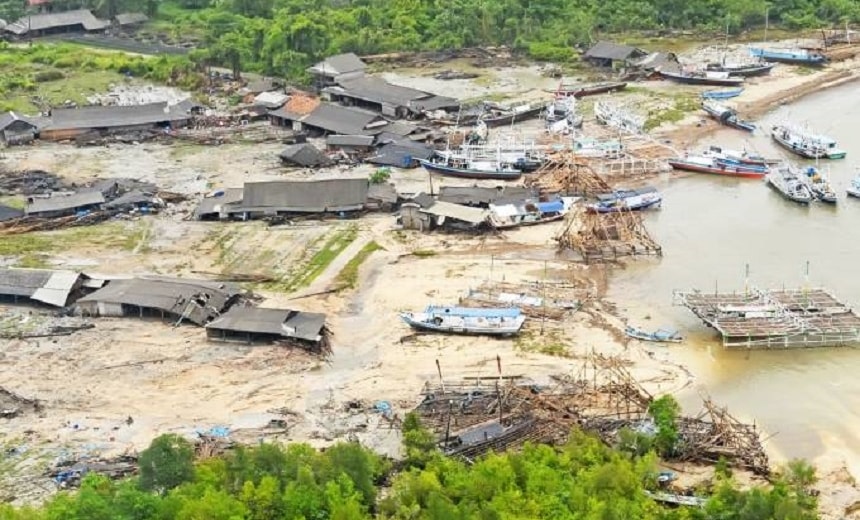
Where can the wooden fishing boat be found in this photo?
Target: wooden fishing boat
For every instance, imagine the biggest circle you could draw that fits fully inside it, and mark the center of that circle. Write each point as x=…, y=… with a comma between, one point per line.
x=626, y=200
x=702, y=78
x=465, y=320
x=714, y=166
x=786, y=180
x=496, y=115
x=742, y=157
x=578, y=91
x=854, y=188
x=726, y=116
x=792, y=56
x=722, y=94
x=742, y=70
x=469, y=170
x=819, y=185
x=658, y=336
x=802, y=143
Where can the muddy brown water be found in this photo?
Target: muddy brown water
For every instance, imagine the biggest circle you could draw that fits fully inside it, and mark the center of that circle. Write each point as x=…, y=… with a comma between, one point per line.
x=710, y=229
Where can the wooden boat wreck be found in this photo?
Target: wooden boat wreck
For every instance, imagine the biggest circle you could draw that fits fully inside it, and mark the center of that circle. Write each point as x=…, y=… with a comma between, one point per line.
x=786, y=180
x=497, y=115
x=658, y=336
x=588, y=89
x=464, y=320
x=726, y=116
x=627, y=200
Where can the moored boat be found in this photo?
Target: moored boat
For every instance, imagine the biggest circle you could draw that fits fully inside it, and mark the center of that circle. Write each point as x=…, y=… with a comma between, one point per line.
x=805, y=143
x=715, y=166
x=786, y=180
x=658, y=336
x=700, y=77
x=819, y=185
x=793, y=56
x=626, y=200
x=854, y=188
x=466, y=320
x=723, y=94
x=742, y=157
x=742, y=70
x=589, y=89
x=726, y=116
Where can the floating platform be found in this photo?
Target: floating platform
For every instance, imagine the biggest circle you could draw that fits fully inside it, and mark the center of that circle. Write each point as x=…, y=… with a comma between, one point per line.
x=775, y=319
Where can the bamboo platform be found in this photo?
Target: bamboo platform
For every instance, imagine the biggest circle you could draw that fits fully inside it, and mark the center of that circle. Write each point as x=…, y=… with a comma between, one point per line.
x=775, y=319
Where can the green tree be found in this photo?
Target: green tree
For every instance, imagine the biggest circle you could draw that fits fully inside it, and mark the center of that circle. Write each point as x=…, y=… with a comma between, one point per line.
x=665, y=412
x=166, y=463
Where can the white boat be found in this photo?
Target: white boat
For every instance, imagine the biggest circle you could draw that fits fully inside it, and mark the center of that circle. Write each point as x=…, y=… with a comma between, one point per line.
x=527, y=212
x=854, y=188
x=626, y=200
x=658, y=336
x=613, y=115
x=786, y=179
x=819, y=185
x=590, y=147
x=466, y=320
x=806, y=143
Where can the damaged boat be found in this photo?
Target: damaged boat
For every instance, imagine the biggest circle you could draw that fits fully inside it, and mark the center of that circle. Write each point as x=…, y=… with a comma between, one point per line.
x=626, y=200
x=819, y=185
x=466, y=320
x=658, y=336
x=726, y=116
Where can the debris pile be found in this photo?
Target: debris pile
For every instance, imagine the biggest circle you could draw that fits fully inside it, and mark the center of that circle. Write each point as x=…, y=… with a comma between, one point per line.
x=566, y=173
x=69, y=474
x=551, y=300
x=13, y=405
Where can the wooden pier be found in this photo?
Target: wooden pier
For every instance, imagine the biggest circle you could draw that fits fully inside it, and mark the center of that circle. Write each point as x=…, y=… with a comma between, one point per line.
x=775, y=319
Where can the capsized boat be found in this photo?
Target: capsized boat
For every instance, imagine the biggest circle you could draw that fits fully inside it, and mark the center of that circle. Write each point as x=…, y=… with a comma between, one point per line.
x=819, y=185
x=703, y=164
x=793, y=56
x=726, y=116
x=854, y=188
x=722, y=94
x=658, y=336
x=626, y=200
x=742, y=70
x=785, y=179
x=466, y=320
x=702, y=77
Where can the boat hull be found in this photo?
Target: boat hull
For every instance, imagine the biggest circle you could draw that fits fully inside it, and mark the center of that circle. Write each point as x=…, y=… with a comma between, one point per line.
x=802, y=152
x=853, y=192
x=744, y=71
x=724, y=171
x=654, y=337
x=722, y=94
x=793, y=59
x=805, y=200
x=653, y=202
x=463, y=173
x=508, y=119
x=729, y=118
x=696, y=80
x=590, y=91
x=501, y=331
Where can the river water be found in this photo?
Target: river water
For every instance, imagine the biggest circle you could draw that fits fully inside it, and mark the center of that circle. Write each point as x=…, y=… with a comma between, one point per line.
x=711, y=228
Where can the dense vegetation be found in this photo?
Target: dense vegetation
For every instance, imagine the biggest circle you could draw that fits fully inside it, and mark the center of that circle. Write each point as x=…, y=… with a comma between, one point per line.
x=582, y=480
x=282, y=37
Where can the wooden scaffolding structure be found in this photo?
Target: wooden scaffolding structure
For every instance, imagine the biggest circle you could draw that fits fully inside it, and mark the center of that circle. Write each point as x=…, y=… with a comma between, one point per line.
x=566, y=173
x=600, y=237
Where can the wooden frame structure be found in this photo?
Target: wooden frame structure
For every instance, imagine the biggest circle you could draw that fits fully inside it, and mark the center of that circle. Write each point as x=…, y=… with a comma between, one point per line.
x=600, y=237
x=566, y=173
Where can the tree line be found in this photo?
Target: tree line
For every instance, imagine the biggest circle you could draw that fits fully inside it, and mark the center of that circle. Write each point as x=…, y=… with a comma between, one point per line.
x=582, y=480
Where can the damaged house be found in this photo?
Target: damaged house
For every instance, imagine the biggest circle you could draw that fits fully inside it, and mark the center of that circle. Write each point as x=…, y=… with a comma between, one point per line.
x=271, y=198
x=197, y=301
x=64, y=205
x=335, y=69
x=69, y=123
x=16, y=129
x=613, y=55
x=256, y=325
x=328, y=118
x=425, y=214
x=482, y=197
x=379, y=96
x=41, y=286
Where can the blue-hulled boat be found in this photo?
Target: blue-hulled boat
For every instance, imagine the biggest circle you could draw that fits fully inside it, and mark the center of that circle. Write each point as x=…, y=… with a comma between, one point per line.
x=466, y=320
x=722, y=94
x=793, y=56
x=726, y=116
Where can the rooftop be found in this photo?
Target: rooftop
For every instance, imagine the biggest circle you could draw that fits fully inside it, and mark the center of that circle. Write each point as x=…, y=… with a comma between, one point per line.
x=65, y=202
x=303, y=154
x=339, y=64
x=612, y=51
x=43, y=21
x=341, y=120
x=378, y=90
x=113, y=116
x=46, y=286
x=281, y=322
x=316, y=196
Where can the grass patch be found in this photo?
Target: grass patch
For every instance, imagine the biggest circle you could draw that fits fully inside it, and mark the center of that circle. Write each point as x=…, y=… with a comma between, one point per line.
x=423, y=253
x=34, y=249
x=550, y=343
x=347, y=278
x=14, y=202
x=681, y=105
x=314, y=261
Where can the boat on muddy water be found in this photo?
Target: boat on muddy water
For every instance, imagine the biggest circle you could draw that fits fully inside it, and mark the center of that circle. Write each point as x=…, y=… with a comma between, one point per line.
x=819, y=185
x=466, y=320
x=805, y=143
x=854, y=188
x=727, y=93
x=658, y=336
x=726, y=116
x=712, y=165
x=786, y=180
x=626, y=200
x=589, y=89
x=742, y=70
x=700, y=77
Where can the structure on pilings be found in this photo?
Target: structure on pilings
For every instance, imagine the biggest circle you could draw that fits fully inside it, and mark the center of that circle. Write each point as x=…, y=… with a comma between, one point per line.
x=568, y=174
x=600, y=237
x=478, y=415
x=759, y=318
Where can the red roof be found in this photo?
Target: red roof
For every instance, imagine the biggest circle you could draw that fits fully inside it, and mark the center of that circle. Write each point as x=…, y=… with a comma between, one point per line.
x=38, y=2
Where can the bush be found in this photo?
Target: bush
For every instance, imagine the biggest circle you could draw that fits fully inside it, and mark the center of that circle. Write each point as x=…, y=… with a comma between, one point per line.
x=167, y=463
x=48, y=75
x=550, y=52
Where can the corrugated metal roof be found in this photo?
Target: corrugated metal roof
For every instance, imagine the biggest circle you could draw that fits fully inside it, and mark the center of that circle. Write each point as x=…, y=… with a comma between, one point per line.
x=456, y=211
x=211, y=205
x=480, y=433
x=339, y=64
x=271, y=99
x=349, y=140
x=341, y=120
x=476, y=195
x=303, y=154
x=56, y=289
x=377, y=90
x=384, y=192
x=65, y=202
x=112, y=116
x=10, y=117
x=40, y=22
x=304, y=196
x=283, y=322
x=46, y=286
x=611, y=51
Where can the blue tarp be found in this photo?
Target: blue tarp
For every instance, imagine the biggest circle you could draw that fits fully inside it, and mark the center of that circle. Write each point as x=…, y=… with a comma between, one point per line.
x=555, y=206
x=467, y=312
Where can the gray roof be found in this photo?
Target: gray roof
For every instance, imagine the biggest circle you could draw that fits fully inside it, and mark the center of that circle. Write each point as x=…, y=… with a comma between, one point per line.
x=211, y=205
x=134, y=198
x=655, y=60
x=8, y=213
x=349, y=140
x=378, y=90
x=282, y=322
x=131, y=18
x=40, y=22
x=457, y=212
x=304, y=196
x=383, y=192
x=341, y=120
x=65, y=202
x=303, y=154
x=400, y=154
x=479, y=196
x=339, y=64
x=46, y=286
x=612, y=51
x=10, y=117
x=112, y=116
x=480, y=433
x=198, y=300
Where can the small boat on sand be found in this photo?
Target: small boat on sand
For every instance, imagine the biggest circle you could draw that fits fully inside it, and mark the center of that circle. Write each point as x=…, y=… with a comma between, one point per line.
x=819, y=185
x=722, y=94
x=786, y=180
x=792, y=56
x=715, y=166
x=588, y=89
x=626, y=200
x=854, y=188
x=702, y=77
x=658, y=336
x=742, y=70
x=726, y=116
x=465, y=320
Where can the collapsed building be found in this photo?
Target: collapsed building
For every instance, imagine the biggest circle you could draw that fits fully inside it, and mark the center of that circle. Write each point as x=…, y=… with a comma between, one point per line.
x=55, y=288
x=71, y=123
x=259, y=325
